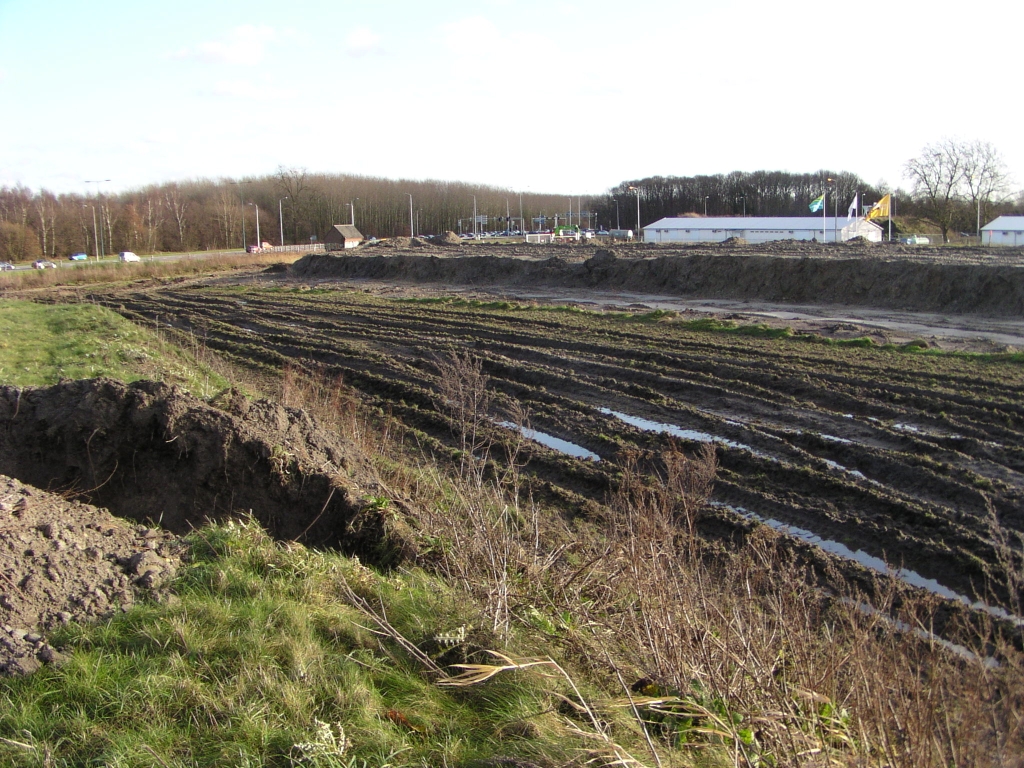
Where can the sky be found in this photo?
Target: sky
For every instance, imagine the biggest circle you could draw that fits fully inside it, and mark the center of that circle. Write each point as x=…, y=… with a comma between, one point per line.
x=529, y=95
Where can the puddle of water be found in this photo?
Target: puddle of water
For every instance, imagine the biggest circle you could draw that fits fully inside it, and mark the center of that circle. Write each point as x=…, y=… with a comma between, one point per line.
x=834, y=439
x=876, y=564
x=671, y=429
x=913, y=428
x=555, y=443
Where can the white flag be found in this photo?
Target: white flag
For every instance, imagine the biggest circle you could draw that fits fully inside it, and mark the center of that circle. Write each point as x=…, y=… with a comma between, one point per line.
x=853, y=208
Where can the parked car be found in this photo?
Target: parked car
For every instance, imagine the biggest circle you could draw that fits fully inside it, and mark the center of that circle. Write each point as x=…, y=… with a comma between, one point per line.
x=43, y=264
x=128, y=256
x=78, y=257
x=915, y=240
x=6, y=266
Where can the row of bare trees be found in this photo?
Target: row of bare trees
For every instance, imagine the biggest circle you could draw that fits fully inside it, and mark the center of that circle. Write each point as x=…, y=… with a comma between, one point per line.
x=758, y=193
x=958, y=185
x=293, y=206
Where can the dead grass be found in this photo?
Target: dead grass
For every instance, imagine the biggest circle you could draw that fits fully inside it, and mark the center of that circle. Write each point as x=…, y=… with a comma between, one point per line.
x=738, y=653
x=148, y=269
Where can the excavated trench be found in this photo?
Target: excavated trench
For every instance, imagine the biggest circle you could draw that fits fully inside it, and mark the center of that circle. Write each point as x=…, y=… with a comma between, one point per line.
x=150, y=453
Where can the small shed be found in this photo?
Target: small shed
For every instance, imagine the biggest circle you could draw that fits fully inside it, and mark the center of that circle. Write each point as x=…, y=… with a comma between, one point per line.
x=1004, y=230
x=760, y=229
x=342, y=236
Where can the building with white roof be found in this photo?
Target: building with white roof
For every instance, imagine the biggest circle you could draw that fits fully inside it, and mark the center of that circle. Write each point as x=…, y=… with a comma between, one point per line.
x=761, y=229
x=1003, y=230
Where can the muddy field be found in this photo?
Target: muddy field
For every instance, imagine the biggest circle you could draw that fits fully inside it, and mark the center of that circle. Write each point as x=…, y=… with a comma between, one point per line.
x=876, y=456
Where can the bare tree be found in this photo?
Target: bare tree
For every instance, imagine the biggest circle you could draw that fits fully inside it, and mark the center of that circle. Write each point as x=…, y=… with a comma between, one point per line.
x=938, y=176
x=985, y=176
x=178, y=205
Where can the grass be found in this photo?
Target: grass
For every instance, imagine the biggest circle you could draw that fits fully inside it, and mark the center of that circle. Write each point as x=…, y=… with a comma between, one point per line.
x=40, y=344
x=625, y=640
x=115, y=271
x=263, y=660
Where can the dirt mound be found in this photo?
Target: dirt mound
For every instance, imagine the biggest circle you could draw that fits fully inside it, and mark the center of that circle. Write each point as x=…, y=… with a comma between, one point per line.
x=798, y=276
x=448, y=238
x=149, y=452
x=63, y=561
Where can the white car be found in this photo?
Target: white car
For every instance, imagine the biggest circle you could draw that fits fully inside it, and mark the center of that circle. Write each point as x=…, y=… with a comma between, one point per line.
x=128, y=256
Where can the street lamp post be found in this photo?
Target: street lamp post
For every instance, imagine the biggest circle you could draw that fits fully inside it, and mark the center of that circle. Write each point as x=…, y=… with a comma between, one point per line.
x=280, y=217
x=637, y=191
x=259, y=241
x=618, y=222
x=95, y=233
x=474, y=216
x=706, y=198
x=744, y=199
x=352, y=207
x=412, y=228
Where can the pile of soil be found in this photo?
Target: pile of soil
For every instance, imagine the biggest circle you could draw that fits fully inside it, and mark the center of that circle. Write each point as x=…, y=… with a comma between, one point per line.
x=843, y=275
x=154, y=454
x=64, y=561
x=448, y=238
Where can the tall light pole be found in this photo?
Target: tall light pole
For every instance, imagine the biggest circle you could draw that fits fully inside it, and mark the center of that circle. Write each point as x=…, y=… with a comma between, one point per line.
x=618, y=224
x=637, y=191
x=352, y=207
x=706, y=198
x=95, y=231
x=744, y=199
x=474, y=216
x=412, y=229
x=259, y=241
x=280, y=217
x=522, y=221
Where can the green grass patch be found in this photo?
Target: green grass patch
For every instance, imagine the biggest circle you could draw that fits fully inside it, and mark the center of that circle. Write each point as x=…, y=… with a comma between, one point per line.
x=261, y=661
x=40, y=344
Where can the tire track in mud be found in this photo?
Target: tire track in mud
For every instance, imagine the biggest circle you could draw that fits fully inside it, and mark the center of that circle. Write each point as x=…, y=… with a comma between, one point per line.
x=894, y=454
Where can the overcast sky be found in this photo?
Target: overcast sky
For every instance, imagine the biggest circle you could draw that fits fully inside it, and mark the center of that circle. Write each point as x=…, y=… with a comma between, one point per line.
x=541, y=95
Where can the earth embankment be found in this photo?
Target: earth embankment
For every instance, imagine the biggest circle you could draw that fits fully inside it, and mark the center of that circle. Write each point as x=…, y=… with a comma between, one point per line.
x=991, y=286
x=152, y=453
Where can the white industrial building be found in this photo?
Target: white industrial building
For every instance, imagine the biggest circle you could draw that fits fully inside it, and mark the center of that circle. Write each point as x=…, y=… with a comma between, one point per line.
x=1004, y=230
x=760, y=229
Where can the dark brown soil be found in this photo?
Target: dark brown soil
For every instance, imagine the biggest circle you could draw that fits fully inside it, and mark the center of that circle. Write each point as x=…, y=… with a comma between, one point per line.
x=155, y=455
x=903, y=457
x=926, y=280
x=151, y=453
x=64, y=561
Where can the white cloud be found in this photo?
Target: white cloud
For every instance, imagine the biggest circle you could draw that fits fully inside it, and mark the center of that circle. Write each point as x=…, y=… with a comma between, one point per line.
x=361, y=41
x=242, y=45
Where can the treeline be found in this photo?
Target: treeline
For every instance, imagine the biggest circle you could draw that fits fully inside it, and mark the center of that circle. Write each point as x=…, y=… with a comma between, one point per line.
x=222, y=214
x=298, y=207
x=758, y=193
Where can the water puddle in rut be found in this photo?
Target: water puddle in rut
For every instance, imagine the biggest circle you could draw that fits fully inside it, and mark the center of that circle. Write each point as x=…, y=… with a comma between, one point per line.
x=550, y=441
x=876, y=564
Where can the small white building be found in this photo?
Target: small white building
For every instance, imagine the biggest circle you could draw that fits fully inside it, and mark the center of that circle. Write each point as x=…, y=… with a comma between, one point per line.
x=761, y=229
x=1004, y=230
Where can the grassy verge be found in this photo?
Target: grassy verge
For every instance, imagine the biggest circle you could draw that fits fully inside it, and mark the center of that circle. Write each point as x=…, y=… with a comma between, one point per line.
x=267, y=658
x=148, y=269
x=40, y=344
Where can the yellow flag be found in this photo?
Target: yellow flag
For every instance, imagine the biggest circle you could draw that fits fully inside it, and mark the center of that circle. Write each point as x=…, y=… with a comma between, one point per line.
x=879, y=210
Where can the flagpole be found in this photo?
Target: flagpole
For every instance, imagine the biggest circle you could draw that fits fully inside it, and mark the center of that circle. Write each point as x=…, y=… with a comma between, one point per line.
x=824, y=214
x=892, y=207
